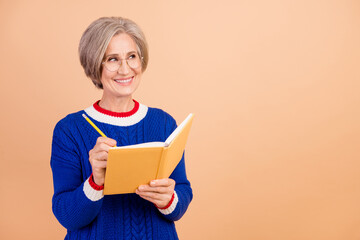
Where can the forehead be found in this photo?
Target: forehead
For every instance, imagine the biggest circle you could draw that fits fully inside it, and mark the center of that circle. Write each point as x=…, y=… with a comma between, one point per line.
x=121, y=44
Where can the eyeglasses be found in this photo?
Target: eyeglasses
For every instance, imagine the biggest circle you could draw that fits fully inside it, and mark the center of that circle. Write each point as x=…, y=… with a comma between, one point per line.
x=113, y=63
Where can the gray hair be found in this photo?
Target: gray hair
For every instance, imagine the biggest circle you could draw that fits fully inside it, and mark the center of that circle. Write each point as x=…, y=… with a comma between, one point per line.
x=96, y=38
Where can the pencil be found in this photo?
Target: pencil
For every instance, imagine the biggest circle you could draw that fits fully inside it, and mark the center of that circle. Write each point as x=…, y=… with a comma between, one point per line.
x=94, y=126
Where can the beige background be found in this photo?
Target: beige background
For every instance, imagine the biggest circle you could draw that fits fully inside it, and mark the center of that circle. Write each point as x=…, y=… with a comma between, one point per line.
x=274, y=149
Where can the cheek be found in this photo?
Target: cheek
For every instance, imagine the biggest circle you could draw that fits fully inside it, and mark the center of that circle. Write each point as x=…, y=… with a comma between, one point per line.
x=138, y=79
x=138, y=74
x=106, y=76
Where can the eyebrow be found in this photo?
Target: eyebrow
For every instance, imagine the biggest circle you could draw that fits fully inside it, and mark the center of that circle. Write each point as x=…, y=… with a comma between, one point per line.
x=116, y=54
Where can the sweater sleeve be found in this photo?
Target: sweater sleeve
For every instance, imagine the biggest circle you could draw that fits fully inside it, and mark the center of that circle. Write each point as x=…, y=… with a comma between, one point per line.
x=183, y=192
x=76, y=202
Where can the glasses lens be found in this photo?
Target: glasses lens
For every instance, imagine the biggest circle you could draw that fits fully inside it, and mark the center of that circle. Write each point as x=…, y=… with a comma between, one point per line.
x=112, y=66
x=134, y=61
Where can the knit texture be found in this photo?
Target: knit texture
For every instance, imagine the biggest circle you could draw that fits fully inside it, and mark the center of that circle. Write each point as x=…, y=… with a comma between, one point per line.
x=82, y=208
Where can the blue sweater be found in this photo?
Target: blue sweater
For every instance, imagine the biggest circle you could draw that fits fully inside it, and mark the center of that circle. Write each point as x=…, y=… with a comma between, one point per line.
x=82, y=208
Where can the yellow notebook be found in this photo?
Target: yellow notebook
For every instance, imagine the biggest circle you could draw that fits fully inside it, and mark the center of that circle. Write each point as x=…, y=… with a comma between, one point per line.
x=131, y=166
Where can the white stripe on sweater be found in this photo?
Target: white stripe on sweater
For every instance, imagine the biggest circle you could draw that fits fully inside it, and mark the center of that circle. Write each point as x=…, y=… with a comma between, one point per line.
x=118, y=121
x=92, y=194
x=172, y=207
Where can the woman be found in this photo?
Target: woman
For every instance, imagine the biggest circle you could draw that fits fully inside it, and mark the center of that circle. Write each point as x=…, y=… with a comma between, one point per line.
x=113, y=52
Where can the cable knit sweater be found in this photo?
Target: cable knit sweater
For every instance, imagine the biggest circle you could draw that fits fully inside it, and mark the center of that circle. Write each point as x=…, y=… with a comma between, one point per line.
x=79, y=204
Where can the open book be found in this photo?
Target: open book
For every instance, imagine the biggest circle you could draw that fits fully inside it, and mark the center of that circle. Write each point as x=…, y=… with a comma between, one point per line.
x=130, y=166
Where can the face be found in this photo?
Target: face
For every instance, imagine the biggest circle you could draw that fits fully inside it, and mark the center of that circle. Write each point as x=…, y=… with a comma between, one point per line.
x=123, y=82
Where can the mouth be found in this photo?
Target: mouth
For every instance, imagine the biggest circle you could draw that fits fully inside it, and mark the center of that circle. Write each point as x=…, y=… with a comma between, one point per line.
x=124, y=81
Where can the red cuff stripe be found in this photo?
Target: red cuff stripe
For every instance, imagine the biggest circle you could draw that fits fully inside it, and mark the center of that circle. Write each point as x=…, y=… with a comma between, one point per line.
x=94, y=185
x=169, y=204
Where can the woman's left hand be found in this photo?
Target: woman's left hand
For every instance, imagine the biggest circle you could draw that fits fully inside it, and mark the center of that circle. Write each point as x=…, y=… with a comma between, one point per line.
x=159, y=191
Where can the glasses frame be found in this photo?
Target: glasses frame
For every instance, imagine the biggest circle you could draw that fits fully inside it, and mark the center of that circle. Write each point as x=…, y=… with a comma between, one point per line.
x=121, y=62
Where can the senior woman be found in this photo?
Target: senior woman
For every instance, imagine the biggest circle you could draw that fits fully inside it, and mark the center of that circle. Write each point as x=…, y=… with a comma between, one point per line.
x=113, y=52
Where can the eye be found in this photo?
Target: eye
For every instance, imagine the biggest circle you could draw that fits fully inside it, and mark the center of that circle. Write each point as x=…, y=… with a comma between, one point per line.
x=112, y=59
x=132, y=56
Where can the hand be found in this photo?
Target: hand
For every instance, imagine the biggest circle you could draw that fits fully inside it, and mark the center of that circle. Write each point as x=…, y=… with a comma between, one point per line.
x=98, y=158
x=158, y=191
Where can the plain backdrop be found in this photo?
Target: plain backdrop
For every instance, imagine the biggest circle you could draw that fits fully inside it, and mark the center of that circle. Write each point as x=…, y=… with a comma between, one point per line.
x=275, y=85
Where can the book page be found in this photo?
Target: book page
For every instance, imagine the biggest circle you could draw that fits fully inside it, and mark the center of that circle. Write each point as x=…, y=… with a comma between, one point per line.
x=143, y=145
x=177, y=130
x=173, y=153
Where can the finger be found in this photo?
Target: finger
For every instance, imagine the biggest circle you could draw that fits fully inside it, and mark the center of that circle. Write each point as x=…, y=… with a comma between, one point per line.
x=149, y=199
x=158, y=202
x=161, y=190
x=151, y=196
x=165, y=182
x=99, y=156
x=99, y=147
x=99, y=164
x=108, y=141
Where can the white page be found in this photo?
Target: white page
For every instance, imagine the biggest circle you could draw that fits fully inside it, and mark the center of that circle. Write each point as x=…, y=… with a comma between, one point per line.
x=177, y=130
x=161, y=144
x=144, y=145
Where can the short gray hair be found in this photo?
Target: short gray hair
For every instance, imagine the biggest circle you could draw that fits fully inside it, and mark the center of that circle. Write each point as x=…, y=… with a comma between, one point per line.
x=96, y=38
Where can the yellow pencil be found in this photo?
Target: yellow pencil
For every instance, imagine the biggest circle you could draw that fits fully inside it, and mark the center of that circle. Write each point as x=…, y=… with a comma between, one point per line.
x=94, y=126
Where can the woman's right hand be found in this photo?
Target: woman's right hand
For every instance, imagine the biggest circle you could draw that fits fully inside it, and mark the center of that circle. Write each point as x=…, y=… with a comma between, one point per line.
x=98, y=158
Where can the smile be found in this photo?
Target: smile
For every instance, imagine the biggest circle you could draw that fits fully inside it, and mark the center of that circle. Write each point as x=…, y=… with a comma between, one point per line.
x=124, y=81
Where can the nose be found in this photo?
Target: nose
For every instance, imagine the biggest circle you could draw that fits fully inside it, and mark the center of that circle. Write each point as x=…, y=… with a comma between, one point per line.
x=124, y=68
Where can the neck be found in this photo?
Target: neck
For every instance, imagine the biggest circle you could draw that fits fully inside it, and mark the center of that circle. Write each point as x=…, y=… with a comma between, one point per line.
x=124, y=104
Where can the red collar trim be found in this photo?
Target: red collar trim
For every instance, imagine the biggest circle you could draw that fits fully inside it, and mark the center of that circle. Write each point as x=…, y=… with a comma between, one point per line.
x=117, y=114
